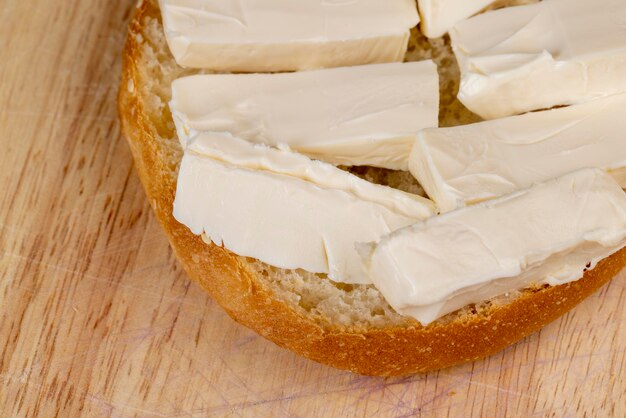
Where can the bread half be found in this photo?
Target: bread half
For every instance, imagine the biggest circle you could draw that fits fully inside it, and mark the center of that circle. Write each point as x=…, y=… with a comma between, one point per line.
x=345, y=326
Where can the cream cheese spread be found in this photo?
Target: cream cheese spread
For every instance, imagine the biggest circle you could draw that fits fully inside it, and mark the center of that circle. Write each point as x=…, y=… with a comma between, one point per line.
x=556, y=52
x=363, y=115
x=439, y=16
x=286, y=35
x=467, y=164
x=547, y=234
x=285, y=209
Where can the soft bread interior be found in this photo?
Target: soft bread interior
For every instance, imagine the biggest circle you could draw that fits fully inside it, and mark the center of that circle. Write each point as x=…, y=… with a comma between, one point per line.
x=349, y=307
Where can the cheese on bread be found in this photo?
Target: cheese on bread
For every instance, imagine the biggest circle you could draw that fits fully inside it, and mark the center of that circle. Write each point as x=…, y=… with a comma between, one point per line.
x=548, y=234
x=363, y=115
x=285, y=209
x=286, y=35
x=467, y=164
x=556, y=52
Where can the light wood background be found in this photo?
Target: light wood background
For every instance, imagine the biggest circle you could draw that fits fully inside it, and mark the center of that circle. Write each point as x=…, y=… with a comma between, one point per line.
x=97, y=318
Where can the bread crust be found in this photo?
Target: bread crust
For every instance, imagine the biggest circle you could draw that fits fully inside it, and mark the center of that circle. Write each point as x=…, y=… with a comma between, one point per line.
x=390, y=351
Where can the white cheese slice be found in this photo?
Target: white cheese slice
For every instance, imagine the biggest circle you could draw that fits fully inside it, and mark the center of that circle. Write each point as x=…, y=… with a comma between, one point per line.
x=548, y=234
x=439, y=16
x=556, y=52
x=285, y=209
x=363, y=115
x=467, y=164
x=286, y=35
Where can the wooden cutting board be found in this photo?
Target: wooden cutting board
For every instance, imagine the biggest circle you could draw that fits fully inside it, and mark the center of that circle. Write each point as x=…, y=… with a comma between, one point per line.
x=97, y=318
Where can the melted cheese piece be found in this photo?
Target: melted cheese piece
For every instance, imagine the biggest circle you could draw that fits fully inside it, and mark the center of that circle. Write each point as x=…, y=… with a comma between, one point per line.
x=549, y=233
x=556, y=52
x=467, y=164
x=286, y=35
x=439, y=16
x=285, y=209
x=364, y=115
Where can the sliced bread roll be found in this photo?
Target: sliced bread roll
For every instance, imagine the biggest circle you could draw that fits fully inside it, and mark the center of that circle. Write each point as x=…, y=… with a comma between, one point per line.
x=349, y=327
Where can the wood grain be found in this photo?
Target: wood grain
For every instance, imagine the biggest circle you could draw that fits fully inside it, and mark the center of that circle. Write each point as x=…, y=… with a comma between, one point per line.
x=97, y=318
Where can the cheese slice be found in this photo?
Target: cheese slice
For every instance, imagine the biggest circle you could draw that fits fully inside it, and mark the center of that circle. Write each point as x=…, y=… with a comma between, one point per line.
x=439, y=16
x=548, y=234
x=286, y=35
x=557, y=52
x=467, y=164
x=285, y=209
x=364, y=115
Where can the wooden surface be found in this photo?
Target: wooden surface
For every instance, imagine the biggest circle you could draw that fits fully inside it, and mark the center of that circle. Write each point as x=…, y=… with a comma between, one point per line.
x=97, y=318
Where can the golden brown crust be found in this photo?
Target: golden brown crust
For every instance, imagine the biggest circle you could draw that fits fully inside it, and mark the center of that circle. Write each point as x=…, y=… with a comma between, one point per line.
x=386, y=352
